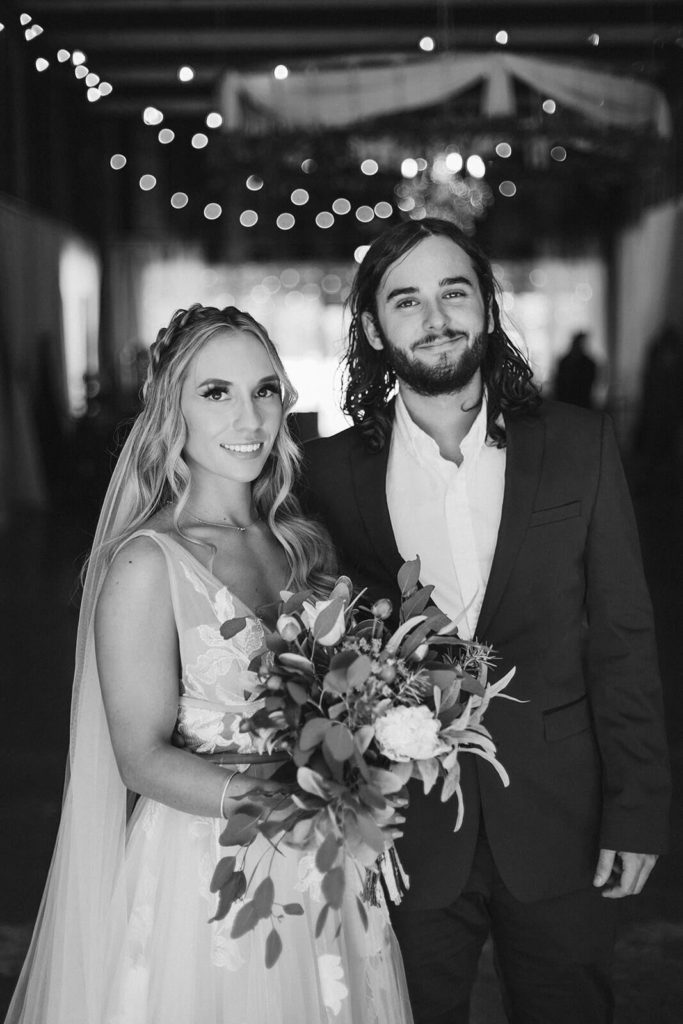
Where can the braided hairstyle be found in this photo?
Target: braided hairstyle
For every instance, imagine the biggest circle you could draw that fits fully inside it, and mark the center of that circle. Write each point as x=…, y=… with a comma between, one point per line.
x=369, y=380
x=159, y=472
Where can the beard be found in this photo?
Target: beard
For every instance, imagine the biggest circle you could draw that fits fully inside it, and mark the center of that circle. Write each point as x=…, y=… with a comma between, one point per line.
x=445, y=377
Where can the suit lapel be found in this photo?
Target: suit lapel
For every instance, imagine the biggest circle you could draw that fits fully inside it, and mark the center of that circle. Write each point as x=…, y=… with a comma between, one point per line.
x=369, y=471
x=524, y=458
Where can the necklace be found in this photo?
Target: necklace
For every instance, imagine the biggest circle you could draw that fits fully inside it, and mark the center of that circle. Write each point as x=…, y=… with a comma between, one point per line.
x=223, y=526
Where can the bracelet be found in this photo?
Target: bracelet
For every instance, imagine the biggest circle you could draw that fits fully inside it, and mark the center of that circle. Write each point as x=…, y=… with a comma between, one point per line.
x=231, y=776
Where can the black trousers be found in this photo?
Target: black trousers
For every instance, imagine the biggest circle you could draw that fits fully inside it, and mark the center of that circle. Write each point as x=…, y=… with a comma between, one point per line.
x=553, y=956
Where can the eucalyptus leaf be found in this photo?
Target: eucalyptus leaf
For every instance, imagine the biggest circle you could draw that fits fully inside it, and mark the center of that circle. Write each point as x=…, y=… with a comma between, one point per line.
x=339, y=742
x=312, y=782
x=322, y=918
x=223, y=873
x=263, y=897
x=240, y=830
x=359, y=671
x=295, y=602
x=326, y=854
x=232, y=627
x=273, y=948
x=293, y=909
x=233, y=890
x=246, y=919
x=313, y=733
x=333, y=885
x=297, y=692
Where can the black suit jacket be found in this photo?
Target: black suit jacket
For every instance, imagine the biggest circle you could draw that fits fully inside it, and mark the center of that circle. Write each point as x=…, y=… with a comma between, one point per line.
x=566, y=603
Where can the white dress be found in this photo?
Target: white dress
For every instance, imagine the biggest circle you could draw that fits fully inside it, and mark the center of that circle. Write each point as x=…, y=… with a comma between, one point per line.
x=171, y=966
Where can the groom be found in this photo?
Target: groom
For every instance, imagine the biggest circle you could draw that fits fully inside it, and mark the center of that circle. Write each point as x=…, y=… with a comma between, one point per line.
x=521, y=517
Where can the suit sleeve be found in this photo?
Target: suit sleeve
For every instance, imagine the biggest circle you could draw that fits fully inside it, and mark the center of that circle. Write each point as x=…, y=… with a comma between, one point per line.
x=623, y=676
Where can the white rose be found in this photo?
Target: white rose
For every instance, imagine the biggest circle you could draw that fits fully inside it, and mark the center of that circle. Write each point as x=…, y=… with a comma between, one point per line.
x=409, y=734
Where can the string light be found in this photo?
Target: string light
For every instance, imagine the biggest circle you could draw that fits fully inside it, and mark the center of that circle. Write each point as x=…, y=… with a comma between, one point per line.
x=254, y=183
x=383, y=210
x=421, y=164
x=549, y=106
x=185, y=73
x=212, y=211
x=285, y=221
x=290, y=277
x=341, y=206
x=81, y=72
x=32, y=32
x=426, y=44
x=93, y=94
x=299, y=197
x=78, y=57
x=359, y=253
x=199, y=140
x=365, y=214
x=409, y=167
x=214, y=120
x=106, y=88
x=62, y=55
x=502, y=38
x=118, y=162
x=324, y=219
x=42, y=64
x=309, y=166
x=165, y=136
x=331, y=284
x=406, y=203
x=248, y=218
x=507, y=188
x=369, y=167
x=281, y=72
x=147, y=182
x=504, y=149
x=92, y=80
x=151, y=115
x=594, y=39
x=558, y=153
x=476, y=166
x=454, y=162
x=24, y=19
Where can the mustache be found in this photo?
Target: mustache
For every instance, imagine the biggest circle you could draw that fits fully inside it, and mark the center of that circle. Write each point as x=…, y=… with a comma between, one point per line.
x=445, y=335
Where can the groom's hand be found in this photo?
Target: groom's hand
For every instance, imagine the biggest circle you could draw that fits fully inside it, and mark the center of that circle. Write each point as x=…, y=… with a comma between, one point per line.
x=623, y=874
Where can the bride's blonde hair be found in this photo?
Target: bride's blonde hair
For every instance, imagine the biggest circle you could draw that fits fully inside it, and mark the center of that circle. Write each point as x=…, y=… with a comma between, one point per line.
x=158, y=474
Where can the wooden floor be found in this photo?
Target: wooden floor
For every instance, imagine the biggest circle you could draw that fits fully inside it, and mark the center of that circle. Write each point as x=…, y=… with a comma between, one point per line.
x=40, y=556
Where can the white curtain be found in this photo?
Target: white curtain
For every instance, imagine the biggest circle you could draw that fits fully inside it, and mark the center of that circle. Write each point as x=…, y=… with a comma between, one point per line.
x=336, y=97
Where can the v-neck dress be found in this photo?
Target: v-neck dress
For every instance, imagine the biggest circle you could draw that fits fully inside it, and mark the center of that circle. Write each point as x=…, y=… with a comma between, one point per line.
x=174, y=967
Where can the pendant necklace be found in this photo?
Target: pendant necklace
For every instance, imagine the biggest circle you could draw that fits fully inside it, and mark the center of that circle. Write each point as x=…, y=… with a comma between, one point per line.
x=223, y=526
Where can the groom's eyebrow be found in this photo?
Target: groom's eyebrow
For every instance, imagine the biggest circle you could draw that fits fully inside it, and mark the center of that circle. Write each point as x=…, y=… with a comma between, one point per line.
x=443, y=283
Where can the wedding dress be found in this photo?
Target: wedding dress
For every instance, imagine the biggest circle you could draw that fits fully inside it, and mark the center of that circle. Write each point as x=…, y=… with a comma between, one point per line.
x=160, y=961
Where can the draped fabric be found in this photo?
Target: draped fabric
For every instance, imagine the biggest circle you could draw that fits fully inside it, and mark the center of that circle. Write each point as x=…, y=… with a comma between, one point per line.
x=338, y=97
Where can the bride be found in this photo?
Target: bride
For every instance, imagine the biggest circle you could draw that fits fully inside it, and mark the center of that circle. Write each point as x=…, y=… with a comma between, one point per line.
x=199, y=525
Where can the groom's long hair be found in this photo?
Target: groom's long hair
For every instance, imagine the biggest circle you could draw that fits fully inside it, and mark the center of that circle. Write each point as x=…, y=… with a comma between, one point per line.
x=369, y=379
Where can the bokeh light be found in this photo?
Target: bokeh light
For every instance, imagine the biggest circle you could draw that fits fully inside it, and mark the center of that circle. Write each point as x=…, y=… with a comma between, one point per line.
x=147, y=182
x=212, y=211
x=179, y=200
x=248, y=218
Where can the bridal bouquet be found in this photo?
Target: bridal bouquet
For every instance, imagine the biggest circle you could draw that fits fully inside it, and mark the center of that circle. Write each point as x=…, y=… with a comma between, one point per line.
x=357, y=710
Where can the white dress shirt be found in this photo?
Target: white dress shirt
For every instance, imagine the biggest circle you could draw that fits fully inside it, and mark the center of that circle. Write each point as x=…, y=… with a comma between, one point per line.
x=449, y=515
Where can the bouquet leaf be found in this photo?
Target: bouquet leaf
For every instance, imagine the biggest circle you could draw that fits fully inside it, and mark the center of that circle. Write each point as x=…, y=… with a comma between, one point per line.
x=263, y=897
x=232, y=627
x=273, y=948
x=332, y=885
x=232, y=890
x=246, y=919
x=293, y=909
x=408, y=576
x=339, y=742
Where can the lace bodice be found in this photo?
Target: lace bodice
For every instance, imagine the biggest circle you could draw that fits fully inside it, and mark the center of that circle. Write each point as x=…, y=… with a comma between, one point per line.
x=216, y=681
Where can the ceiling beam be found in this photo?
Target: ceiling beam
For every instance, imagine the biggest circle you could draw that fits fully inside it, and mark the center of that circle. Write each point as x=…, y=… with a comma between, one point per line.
x=318, y=40
x=650, y=11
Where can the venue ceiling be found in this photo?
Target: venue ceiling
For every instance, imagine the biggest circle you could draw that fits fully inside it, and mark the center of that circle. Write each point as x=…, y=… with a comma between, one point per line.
x=138, y=47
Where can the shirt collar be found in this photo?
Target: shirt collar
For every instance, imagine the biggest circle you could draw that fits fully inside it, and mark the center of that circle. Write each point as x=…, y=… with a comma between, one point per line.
x=423, y=447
